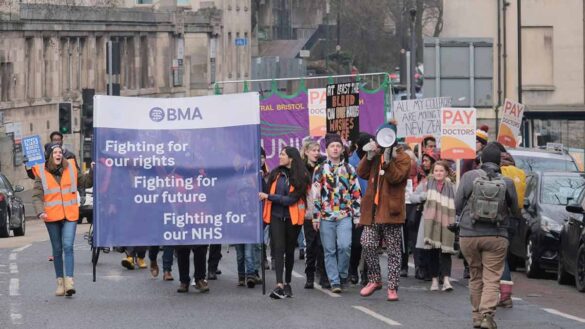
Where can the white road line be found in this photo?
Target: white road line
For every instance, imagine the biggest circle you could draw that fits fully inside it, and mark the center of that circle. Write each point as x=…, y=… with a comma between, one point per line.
x=375, y=315
x=15, y=315
x=13, y=268
x=564, y=315
x=12, y=256
x=317, y=286
x=13, y=287
x=516, y=298
x=22, y=248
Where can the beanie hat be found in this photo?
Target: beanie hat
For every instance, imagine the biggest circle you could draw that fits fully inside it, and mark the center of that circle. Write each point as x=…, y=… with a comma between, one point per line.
x=491, y=153
x=332, y=138
x=481, y=134
x=433, y=155
x=49, y=147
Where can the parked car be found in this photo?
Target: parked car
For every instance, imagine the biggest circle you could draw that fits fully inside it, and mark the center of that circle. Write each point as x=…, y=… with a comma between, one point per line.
x=11, y=209
x=531, y=160
x=572, y=249
x=86, y=206
x=536, y=242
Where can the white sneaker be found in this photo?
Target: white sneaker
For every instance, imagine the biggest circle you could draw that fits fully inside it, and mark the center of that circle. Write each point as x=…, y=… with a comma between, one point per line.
x=447, y=285
x=193, y=282
x=435, y=285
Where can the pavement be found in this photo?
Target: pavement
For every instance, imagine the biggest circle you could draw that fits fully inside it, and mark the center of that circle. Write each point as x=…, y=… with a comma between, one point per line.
x=132, y=299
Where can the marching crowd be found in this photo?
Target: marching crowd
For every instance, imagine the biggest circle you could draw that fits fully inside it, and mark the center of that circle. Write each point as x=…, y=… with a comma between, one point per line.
x=343, y=211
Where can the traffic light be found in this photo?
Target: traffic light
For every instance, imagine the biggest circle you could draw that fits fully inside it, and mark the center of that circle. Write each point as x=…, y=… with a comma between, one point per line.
x=87, y=112
x=65, y=118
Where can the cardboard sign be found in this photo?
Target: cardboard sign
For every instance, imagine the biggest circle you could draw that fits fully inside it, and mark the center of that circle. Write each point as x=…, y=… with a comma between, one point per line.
x=420, y=117
x=458, y=127
x=343, y=110
x=33, y=150
x=317, y=103
x=510, y=124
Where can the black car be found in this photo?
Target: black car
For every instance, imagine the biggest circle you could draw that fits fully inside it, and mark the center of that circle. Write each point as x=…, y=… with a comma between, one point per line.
x=11, y=209
x=572, y=250
x=536, y=242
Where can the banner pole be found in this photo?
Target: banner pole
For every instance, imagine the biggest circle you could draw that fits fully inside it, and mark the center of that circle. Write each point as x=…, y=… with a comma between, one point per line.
x=458, y=174
x=263, y=268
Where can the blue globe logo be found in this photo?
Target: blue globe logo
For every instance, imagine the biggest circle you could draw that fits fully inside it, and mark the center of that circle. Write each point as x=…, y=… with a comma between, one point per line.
x=157, y=114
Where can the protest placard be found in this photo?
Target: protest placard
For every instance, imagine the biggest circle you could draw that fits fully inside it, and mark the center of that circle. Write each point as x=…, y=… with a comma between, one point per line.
x=420, y=117
x=343, y=110
x=512, y=114
x=33, y=150
x=179, y=171
x=317, y=103
x=458, y=127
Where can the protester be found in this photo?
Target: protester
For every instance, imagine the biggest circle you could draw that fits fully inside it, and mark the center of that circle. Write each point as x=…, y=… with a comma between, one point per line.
x=246, y=258
x=284, y=210
x=314, y=252
x=356, y=234
x=410, y=227
x=483, y=231
x=199, y=255
x=336, y=193
x=437, y=193
x=167, y=259
x=383, y=213
x=55, y=202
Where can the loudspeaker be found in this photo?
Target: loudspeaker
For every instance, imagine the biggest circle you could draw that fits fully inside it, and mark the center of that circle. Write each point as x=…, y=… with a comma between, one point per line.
x=386, y=135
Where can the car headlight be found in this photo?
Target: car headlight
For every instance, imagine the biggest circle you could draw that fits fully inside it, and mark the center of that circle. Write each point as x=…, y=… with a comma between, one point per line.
x=548, y=224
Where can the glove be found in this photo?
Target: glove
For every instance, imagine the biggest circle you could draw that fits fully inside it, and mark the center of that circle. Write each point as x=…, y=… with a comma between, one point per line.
x=387, y=155
x=370, y=148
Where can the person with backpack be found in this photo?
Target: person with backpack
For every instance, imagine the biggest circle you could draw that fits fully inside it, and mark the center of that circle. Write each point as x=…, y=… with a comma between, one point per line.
x=484, y=201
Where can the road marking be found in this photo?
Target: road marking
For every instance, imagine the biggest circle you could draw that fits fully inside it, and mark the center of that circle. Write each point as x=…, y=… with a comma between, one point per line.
x=317, y=286
x=375, y=315
x=22, y=248
x=516, y=299
x=13, y=268
x=13, y=287
x=12, y=256
x=15, y=315
x=564, y=315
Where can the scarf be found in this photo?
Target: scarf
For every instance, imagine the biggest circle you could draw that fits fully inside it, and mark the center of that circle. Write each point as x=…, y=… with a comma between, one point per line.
x=438, y=213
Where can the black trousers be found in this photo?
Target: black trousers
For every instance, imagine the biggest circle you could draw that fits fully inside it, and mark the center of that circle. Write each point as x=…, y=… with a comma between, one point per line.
x=439, y=263
x=199, y=255
x=356, y=250
x=139, y=252
x=410, y=231
x=314, y=261
x=214, y=257
x=283, y=239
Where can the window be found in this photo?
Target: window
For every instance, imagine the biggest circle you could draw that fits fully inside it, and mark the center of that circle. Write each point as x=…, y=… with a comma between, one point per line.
x=144, y=62
x=537, y=59
x=5, y=81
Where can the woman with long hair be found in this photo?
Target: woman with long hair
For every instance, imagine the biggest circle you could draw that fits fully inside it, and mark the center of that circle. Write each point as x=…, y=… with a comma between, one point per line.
x=284, y=209
x=438, y=194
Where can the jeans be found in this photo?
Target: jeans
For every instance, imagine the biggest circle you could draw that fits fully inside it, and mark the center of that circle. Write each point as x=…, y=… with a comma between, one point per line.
x=336, y=240
x=506, y=275
x=301, y=240
x=167, y=257
x=247, y=256
x=62, y=235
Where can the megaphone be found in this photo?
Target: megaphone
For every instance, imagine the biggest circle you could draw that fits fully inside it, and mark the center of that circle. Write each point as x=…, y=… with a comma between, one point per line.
x=386, y=135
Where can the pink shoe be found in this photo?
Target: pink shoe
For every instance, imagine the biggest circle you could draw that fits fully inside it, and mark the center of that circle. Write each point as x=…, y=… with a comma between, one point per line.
x=392, y=295
x=370, y=288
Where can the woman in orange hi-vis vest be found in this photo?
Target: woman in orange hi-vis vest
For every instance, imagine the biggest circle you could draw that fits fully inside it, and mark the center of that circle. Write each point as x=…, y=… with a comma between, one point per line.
x=55, y=202
x=284, y=210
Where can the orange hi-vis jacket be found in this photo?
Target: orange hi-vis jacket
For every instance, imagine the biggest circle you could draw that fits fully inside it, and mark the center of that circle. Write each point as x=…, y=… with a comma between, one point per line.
x=297, y=210
x=60, y=198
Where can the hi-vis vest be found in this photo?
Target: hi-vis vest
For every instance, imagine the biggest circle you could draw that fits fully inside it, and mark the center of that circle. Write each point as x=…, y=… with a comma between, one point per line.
x=60, y=199
x=297, y=210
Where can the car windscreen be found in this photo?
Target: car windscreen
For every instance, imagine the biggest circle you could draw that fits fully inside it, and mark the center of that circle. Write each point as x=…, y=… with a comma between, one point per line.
x=544, y=164
x=561, y=189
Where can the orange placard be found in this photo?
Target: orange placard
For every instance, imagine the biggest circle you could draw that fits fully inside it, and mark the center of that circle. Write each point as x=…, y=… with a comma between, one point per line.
x=317, y=103
x=512, y=114
x=458, y=127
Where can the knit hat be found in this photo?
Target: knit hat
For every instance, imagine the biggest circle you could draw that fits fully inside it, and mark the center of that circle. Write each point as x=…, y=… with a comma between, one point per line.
x=49, y=147
x=481, y=135
x=491, y=153
x=332, y=138
x=432, y=154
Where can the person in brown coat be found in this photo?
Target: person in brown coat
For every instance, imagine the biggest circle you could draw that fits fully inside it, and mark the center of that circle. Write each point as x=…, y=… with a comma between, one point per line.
x=383, y=212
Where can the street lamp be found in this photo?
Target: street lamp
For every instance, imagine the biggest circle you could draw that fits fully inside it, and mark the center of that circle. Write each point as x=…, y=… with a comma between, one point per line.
x=412, y=53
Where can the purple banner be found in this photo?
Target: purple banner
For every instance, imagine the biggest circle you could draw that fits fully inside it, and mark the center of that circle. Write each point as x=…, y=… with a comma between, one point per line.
x=283, y=122
x=371, y=111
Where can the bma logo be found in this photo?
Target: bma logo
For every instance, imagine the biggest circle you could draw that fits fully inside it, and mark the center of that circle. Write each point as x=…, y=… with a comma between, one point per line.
x=157, y=114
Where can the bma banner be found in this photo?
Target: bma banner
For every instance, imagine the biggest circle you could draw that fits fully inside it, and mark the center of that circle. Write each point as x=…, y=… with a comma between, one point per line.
x=177, y=171
x=458, y=127
x=285, y=122
x=420, y=117
x=33, y=151
x=317, y=118
x=343, y=110
x=510, y=124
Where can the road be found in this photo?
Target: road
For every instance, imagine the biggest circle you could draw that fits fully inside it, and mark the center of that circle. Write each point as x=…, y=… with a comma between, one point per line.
x=131, y=299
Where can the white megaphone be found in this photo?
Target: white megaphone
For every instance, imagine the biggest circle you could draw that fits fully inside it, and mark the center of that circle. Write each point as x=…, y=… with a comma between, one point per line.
x=386, y=135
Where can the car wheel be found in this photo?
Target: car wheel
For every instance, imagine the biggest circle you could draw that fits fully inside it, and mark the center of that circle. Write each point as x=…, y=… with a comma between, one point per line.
x=5, y=228
x=532, y=268
x=563, y=277
x=580, y=271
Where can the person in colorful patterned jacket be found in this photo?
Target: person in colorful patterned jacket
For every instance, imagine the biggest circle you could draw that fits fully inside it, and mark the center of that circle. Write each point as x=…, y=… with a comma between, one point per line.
x=336, y=195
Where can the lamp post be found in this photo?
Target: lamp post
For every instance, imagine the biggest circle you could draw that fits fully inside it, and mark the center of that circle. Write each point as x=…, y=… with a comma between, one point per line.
x=412, y=53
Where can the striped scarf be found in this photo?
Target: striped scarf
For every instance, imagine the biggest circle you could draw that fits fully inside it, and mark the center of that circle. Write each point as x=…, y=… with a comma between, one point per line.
x=438, y=213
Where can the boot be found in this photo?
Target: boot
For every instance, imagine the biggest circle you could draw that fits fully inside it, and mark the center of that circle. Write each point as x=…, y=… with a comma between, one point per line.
x=154, y=268
x=141, y=263
x=488, y=322
x=505, y=295
x=168, y=276
x=69, y=289
x=128, y=262
x=60, y=287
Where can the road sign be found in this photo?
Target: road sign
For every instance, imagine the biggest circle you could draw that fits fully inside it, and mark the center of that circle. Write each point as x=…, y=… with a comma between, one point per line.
x=241, y=42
